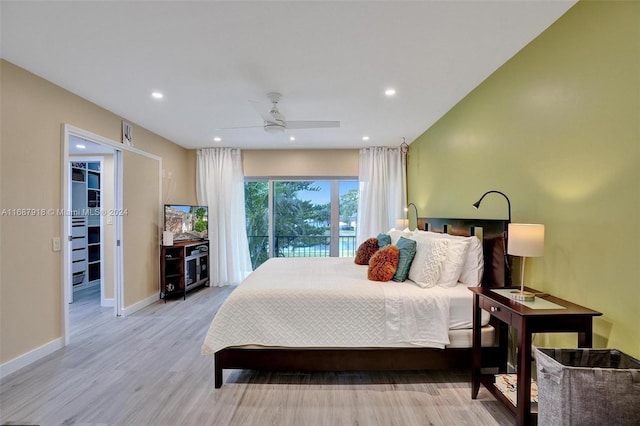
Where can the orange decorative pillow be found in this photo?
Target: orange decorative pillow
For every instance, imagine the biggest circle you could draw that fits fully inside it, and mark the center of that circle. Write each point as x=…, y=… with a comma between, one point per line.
x=383, y=263
x=366, y=250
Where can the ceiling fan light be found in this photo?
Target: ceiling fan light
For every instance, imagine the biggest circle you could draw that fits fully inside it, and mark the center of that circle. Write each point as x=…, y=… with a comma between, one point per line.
x=273, y=128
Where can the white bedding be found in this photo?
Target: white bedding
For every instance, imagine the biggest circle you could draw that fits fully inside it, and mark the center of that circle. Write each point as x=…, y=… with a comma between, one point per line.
x=329, y=302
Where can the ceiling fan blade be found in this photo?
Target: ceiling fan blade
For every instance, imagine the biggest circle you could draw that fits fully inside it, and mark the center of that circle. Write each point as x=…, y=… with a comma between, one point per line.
x=264, y=112
x=239, y=127
x=312, y=124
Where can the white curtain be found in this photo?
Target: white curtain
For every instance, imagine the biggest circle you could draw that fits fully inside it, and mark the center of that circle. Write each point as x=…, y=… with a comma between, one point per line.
x=382, y=190
x=220, y=186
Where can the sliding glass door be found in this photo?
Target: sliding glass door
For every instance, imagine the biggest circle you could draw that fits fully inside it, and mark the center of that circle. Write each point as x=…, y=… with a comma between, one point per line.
x=348, y=216
x=301, y=218
x=256, y=204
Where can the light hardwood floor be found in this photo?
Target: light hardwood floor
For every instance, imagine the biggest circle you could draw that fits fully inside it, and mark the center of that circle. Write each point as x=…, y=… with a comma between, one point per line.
x=146, y=369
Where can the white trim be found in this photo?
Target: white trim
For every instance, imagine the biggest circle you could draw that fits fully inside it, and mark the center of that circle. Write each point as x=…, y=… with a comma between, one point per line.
x=160, y=223
x=118, y=276
x=66, y=232
x=334, y=218
x=105, y=141
x=141, y=304
x=30, y=357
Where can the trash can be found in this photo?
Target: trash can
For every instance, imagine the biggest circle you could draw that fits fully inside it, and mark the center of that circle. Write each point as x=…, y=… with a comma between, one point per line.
x=587, y=387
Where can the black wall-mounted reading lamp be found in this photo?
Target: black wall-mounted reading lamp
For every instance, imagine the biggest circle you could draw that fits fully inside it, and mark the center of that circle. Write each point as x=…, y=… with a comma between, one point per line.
x=476, y=205
x=406, y=209
x=505, y=240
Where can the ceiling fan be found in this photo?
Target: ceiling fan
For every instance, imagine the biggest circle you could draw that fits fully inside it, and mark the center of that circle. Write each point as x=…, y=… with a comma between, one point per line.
x=275, y=122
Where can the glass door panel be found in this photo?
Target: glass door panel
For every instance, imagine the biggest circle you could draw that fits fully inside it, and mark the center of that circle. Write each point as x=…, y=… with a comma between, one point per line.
x=348, y=217
x=301, y=218
x=256, y=199
x=310, y=218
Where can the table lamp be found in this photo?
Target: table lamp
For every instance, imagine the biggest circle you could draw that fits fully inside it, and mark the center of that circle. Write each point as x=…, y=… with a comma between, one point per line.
x=525, y=240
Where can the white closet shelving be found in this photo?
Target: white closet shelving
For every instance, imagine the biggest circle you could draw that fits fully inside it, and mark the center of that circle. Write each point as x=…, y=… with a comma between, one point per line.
x=85, y=223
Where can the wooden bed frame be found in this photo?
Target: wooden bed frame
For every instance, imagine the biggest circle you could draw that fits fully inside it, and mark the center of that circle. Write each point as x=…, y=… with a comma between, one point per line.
x=496, y=274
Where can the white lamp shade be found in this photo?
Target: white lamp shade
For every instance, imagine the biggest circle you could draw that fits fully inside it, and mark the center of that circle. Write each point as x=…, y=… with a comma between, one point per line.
x=526, y=240
x=167, y=238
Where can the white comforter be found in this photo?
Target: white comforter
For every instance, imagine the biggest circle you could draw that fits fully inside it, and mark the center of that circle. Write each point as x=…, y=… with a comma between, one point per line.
x=327, y=302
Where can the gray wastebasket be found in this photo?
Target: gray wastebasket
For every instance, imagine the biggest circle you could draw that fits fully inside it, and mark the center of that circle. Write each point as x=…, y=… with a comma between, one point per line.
x=587, y=387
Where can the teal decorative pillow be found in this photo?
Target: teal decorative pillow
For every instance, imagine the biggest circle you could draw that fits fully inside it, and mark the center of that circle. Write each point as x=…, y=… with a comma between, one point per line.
x=407, y=253
x=384, y=240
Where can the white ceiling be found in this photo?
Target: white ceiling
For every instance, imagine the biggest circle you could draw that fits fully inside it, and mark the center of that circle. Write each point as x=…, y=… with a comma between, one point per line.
x=331, y=60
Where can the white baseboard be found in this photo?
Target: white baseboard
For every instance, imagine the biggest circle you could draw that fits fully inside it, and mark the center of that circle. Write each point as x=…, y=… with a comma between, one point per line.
x=30, y=357
x=139, y=305
x=108, y=303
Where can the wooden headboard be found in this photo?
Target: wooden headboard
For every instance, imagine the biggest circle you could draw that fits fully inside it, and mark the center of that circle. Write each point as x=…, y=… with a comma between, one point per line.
x=493, y=233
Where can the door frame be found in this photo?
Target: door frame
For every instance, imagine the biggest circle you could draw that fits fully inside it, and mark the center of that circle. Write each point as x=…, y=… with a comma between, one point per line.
x=67, y=291
x=119, y=148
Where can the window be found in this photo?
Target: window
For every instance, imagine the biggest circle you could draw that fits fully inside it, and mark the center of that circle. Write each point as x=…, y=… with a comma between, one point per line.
x=301, y=218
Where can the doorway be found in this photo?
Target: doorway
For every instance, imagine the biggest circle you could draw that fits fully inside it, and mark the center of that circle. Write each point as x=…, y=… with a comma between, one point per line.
x=87, y=228
x=91, y=264
x=126, y=286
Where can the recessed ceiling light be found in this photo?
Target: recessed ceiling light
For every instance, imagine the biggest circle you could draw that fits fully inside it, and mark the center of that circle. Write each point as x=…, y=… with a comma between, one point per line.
x=365, y=138
x=292, y=138
x=390, y=92
x=157, y=95
x=217, y=139
x=80, y=146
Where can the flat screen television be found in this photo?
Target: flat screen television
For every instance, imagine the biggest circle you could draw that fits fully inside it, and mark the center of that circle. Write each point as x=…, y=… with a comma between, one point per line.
x=187, y=223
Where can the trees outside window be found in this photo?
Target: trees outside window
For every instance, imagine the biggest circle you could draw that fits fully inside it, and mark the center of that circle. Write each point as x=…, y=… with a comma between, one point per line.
x=296, y=219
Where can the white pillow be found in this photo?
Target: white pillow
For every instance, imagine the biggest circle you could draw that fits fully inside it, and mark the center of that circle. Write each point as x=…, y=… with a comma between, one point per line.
x=395, y=235
x=456, y=255
x=472, y=267
x=427, y=264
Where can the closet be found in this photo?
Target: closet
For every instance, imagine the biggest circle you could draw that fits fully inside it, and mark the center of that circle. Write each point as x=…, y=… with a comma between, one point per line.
x=85, y=223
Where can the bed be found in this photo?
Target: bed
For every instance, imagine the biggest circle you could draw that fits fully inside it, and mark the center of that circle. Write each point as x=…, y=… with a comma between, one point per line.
x=323, y=314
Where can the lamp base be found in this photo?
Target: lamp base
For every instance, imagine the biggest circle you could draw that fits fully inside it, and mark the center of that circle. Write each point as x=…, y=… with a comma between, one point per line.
x=523, y=296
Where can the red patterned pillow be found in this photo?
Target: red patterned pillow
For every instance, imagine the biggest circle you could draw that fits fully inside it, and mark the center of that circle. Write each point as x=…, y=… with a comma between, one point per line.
x=384, y=263
x=366, y=250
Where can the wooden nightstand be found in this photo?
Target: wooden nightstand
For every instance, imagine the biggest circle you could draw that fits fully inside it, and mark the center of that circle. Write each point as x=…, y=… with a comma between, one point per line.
x=555, y=315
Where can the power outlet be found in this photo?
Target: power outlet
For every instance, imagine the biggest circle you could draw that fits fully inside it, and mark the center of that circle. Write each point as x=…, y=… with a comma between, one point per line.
x=56, y=243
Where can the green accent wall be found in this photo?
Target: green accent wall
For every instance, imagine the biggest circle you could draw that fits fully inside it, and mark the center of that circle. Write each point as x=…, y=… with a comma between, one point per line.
x=556, y=128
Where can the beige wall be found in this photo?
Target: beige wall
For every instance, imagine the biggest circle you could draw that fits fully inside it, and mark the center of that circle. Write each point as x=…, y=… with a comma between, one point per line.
x=32, y=112
x=300, y=162
x=557, y=129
